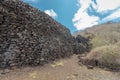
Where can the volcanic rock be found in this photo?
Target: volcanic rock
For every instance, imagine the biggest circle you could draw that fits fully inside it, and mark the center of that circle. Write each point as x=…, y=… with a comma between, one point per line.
x=28, y=36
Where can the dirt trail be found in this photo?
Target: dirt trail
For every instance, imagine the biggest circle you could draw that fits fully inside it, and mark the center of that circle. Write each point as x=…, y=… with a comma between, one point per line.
x=65, y=69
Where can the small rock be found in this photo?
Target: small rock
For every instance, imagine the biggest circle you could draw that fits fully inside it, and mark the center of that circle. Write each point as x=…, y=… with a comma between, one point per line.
x=5, y=71
x=75, y=74
x=90, y=67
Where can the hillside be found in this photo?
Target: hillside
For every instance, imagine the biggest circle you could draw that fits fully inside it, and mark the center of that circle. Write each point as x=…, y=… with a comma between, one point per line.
x=103, y=34
x=105, y=41
x=28, y=36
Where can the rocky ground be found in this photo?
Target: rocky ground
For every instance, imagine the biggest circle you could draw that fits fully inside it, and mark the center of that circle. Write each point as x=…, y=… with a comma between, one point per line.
x=65, y=69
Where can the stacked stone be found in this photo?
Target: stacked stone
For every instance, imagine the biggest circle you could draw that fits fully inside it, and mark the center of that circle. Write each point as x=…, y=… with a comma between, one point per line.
x=28, y=36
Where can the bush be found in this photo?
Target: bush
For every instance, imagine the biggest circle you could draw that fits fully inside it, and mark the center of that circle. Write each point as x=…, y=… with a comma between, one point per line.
x=106, y=56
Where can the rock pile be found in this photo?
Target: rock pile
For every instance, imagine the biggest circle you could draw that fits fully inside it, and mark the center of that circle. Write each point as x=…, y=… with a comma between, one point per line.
x=82, y=44
x=28, y=36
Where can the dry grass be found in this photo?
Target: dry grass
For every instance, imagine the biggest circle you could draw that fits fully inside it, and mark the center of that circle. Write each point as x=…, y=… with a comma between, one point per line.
x=107, y=56
x=105, y=45
x=104, y=34
x=57, y=63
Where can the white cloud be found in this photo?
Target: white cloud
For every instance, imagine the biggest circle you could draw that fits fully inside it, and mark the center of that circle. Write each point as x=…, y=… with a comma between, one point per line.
x=104, y=5
x=114, y=15
x=82, y=19
x=31, y=0
x=51, y=13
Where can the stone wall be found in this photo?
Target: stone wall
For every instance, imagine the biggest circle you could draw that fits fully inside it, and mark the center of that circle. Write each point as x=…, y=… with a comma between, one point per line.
x=28, y=36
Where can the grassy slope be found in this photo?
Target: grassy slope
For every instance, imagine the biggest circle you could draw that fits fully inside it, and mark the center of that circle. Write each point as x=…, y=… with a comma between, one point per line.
x=104, y=34
x=105, y=44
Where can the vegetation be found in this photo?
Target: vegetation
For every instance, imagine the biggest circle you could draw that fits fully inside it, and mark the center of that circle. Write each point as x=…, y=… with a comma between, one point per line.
x=105, y=45
x=107, y=56
x=104, y=34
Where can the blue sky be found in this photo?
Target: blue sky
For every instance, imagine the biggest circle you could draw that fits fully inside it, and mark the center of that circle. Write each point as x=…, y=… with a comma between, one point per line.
x=79, y=14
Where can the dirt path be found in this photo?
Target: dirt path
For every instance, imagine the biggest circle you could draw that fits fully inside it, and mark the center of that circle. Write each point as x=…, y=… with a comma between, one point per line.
x=66, y=69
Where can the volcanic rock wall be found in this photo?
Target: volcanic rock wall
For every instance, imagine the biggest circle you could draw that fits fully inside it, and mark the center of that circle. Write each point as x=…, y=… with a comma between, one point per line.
x=28, y=36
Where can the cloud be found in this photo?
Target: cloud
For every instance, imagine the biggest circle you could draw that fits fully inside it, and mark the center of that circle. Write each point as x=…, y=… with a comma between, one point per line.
x=82, y=20
x=104, y=5
x=113, y=16
x=93, y=12
x=31, y=0
x=51, y=13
